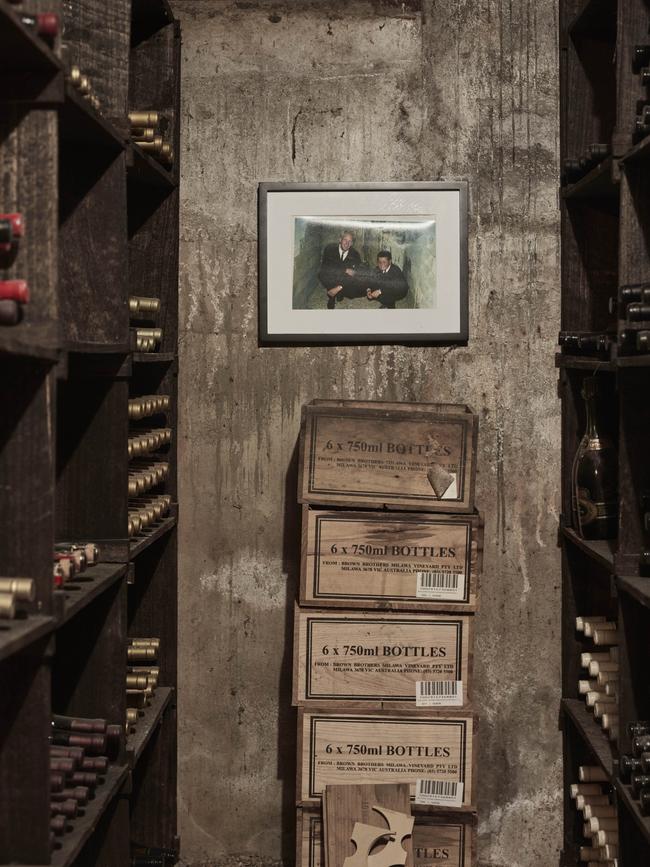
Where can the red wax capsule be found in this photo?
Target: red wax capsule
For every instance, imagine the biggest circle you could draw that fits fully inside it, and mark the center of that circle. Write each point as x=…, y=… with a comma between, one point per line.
x=46, y=24
x=15, y=290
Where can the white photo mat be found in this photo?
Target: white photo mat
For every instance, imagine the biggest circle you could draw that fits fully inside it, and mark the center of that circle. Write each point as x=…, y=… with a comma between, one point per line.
x=282, y=208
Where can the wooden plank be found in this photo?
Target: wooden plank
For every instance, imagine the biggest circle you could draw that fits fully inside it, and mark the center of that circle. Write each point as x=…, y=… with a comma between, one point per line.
x=344, y=806
x=76, y=594
x=92, y=433
x=26, y=473
x=29, y=185
x=601, y=551
x=16, y=635
x=372, y=560
x=444, y=840
x=142, y=541
x=381, y=747
x=89, y=666
x=368, y=457
x=24, y=719
x=83, y=827
x=97, y=36
x=93, y=300
x=591, y=733
x=149, y=718
x=375, y=659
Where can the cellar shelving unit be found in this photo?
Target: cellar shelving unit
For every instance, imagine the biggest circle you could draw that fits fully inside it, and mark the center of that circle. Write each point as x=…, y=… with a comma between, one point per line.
x=101, y=222
x=605, y=231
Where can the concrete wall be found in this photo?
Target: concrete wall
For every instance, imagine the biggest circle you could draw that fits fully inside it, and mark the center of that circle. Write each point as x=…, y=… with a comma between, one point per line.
x=360, y=90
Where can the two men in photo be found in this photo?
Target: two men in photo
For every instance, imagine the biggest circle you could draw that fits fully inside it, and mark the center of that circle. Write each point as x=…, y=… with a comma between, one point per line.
x=343, y=275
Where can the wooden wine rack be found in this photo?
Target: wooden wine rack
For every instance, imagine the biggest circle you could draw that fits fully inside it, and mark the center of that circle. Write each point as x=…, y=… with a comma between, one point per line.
x=101, y=222
x=605, y=238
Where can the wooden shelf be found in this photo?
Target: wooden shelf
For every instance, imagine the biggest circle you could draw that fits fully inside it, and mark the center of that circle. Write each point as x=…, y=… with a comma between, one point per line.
x=102, y=218
x=584, y=362
x=595, y=18
x=16, y=635
x=147, y=723
x=639, y=153
x=81, y=124
x=139, y=543
x=83, y=826
x=154, y=357
x=591, y=733
x=635, y=586
x=144, y=169
x=98, y=348
x=633, y=807
x=79, y=592
x=631, y=361
x=31, y=341
x=601, y=552
x=599, y=183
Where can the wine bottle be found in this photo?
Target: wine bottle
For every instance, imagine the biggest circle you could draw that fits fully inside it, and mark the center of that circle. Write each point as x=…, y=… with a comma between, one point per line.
x=14, y=290
x=640, y=57
x=79, y=724
x=143, y=133
x=584, y=343
x=638, y=312
x=23, y=589
x=143, y=118
x=68, y=808
x=629, y=765
x=75, y=793
x=153, y=146
x=44, y=24
x=638, y=782
x=7, y=606
x=644, y=800
x=11, y=312
x=138, y=304
x=594, y=476
x=92, y=743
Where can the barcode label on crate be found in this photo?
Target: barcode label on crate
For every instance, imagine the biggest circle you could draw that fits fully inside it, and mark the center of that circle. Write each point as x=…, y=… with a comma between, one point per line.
x=439, y=693
x=440, y=585
x=439, y=793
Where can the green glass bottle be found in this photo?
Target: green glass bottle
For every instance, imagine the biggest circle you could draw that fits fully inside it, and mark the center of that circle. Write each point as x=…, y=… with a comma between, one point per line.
x=594, y=476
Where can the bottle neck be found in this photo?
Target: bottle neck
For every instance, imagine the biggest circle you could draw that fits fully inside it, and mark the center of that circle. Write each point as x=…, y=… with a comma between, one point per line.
x=591, y=431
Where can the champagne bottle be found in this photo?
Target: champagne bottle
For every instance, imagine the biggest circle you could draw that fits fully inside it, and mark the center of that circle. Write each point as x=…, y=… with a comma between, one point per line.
x=629, y=765
x=640, y=57
x=594, y=477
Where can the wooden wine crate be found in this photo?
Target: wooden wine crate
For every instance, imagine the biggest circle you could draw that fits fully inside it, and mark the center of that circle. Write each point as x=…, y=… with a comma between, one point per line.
x=381, y=659
x=390, y=560
x=430, y=750
x=443, y=840
x=377, y=455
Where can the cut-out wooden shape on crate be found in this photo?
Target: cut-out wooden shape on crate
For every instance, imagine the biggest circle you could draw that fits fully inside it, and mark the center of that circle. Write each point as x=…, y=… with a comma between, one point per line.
x=367, y=837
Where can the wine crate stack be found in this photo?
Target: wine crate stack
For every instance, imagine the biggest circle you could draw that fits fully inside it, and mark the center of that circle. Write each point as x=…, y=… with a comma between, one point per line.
x=88, y=562
x=604, y=367
x=384, y=628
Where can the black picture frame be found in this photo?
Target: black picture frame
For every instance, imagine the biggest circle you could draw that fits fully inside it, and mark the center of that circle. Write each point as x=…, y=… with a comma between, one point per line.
x=460, y=337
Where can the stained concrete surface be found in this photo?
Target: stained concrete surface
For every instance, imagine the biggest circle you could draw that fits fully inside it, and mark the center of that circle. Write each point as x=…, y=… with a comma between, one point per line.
x=304, y=91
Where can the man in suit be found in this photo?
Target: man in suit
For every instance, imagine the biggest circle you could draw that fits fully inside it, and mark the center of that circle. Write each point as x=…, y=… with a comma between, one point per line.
x=388, y=284
x=337, y=271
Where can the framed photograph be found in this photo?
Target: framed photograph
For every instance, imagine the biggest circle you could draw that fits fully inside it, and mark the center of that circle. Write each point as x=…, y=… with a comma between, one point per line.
x=363, y=263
